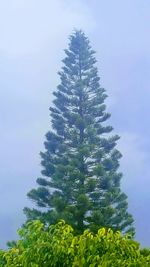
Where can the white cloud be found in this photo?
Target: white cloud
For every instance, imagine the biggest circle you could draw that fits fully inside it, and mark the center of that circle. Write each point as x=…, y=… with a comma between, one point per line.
x=26, y=26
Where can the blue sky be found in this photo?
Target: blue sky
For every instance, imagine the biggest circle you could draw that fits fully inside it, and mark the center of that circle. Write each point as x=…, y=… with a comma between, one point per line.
x=33, y=35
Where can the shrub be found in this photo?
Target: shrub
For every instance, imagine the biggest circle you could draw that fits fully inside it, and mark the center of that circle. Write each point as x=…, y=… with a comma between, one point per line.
x=57, y=245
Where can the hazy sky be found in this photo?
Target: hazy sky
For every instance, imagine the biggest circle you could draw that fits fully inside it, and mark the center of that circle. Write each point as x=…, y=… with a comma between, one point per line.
x=33, y=34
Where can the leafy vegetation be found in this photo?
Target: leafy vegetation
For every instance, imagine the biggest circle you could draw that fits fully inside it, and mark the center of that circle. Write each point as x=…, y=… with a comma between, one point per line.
x=58, y=246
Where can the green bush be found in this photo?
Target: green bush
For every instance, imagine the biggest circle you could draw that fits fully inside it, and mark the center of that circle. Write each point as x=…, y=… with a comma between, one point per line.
x=58, y=246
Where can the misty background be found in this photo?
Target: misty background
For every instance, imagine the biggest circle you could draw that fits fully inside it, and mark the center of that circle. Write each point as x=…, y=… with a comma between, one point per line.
x=33, y=34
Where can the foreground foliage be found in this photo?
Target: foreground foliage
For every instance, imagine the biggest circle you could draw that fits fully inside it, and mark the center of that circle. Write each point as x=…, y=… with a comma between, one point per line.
x=58, y=246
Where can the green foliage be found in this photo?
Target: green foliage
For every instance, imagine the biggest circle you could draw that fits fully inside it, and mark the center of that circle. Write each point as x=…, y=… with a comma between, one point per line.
x=80, y=180
x=57, y=246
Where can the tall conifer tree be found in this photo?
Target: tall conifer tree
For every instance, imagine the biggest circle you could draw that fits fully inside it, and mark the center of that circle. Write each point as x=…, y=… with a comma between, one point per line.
x=80, y=180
